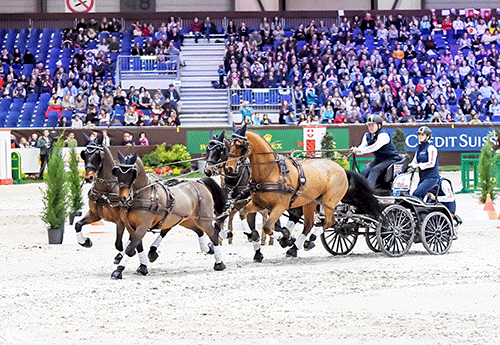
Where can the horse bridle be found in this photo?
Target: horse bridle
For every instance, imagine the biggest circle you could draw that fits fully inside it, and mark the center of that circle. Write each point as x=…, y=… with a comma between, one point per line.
x=220, y=146
x=245, y=153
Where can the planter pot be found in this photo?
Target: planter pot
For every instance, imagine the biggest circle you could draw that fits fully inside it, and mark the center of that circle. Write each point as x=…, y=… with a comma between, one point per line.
x=56, y=236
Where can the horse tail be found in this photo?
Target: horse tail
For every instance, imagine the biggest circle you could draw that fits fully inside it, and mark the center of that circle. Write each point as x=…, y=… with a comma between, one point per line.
x=360, y=194
x=217, y=194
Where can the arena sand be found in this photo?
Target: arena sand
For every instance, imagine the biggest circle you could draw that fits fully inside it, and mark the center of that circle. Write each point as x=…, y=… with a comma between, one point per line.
x=53, y=294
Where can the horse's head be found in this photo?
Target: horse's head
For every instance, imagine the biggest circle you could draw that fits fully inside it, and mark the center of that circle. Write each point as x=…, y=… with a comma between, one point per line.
x=126, y=173
x=93, y=156
x=239, y=150
x=217, y=153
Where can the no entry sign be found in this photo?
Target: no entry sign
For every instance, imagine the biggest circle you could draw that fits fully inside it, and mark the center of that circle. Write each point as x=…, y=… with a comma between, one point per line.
x=80, y=6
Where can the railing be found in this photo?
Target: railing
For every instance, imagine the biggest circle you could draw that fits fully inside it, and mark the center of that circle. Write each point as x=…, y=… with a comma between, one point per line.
x=260, y=99
x=148, y=66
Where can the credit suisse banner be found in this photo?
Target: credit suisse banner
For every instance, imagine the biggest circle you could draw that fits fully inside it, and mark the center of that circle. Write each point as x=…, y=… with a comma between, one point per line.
x=448, y=139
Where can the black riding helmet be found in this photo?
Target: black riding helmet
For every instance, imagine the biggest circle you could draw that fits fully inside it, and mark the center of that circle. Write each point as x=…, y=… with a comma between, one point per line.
x=425, y=130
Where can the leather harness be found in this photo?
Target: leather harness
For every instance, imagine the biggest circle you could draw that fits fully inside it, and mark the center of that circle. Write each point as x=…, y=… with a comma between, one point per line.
x=281, y=186
x=109, y=198
x=154, y=204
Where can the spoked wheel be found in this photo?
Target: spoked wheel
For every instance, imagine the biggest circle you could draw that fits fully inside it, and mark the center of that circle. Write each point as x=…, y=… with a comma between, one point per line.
x=395, y=231
x=341, y=238
x=436, y=233
x=372, y=242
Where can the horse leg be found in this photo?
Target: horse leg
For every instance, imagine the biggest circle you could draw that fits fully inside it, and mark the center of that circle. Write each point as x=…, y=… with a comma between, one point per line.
x=213, y=235
x=252, y=234
x=227, y=234
x=142, y=270
x=308, y=211
x=89, y=218
x=264, y=214
x=153, y=255
x=120, y=228
x=267, y=227
x=135, y=239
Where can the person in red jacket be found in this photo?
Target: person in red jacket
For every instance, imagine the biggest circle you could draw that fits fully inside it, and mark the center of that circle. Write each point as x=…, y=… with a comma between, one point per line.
x=196, y=29
x=447, y=24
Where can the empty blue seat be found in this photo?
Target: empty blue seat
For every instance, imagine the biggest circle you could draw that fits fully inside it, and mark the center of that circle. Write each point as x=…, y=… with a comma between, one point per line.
x=139, y=40
x=3, y=117
x=17, y=104
x=92, y=45
x=13, y=118
x=52, y=119
x=120, y=108
x=5, y=104
x=104, y=35
x=300, y=44
x=495, y=118
x=68, y=114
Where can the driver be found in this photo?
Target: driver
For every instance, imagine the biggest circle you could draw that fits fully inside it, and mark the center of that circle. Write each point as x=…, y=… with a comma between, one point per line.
x=426, y=160
x=378, y=142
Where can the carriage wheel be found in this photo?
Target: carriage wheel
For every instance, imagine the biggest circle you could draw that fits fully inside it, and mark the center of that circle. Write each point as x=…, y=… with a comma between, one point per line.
x=372, y=241
x=395, y=231
x=436, y=233
x=340, y=239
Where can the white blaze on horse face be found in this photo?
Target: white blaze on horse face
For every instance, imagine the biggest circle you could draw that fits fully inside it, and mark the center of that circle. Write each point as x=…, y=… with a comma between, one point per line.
x=204, y=243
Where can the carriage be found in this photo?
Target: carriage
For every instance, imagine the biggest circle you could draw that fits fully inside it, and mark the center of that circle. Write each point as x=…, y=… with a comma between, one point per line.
x=405, y=220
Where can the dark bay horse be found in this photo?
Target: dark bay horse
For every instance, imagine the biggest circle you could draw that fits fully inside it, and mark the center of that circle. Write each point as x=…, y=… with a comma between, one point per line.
x=103, y=198
x=280, y=183
x=234, y=186
x=149, y=203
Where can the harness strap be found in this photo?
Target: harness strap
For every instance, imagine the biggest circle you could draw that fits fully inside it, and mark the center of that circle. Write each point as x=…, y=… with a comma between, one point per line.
x=98, y=196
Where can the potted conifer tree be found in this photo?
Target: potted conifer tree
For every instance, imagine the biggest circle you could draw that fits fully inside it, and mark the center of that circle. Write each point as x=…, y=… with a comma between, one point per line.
x=55, y=197
x=74, y=185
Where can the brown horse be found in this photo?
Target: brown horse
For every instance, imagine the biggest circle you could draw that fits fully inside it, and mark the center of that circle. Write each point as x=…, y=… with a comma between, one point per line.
x=149, y=203
x=103, y=198
x=279, y=184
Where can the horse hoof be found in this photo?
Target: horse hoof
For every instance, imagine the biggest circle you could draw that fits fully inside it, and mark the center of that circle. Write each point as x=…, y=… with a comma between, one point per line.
x=229, y=234
x=219, y=266
x=230, y=241
x=258, y=257
x=87, y=243
x=118, y=258
x=152, y=255
x=283, y=242
x=142, y=270
x=271, y=241
x=211, y=249
x=255, y=236
x=292, y=252
x=308, y=245
x=291, y=241
x=117, y=274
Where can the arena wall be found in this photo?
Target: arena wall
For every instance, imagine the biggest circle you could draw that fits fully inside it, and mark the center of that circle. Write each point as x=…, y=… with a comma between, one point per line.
x=451, y=140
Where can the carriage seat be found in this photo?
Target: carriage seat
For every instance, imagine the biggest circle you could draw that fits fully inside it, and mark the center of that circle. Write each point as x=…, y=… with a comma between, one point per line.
x=396, y=168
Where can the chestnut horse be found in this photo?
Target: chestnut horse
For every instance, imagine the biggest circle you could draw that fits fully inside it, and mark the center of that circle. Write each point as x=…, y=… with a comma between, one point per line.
x=235, y=186
x=154, y=203
x=280, y=183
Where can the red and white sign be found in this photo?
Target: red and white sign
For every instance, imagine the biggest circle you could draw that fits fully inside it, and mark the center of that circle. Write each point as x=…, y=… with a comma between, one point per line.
x=312, y=139
x=80, y=6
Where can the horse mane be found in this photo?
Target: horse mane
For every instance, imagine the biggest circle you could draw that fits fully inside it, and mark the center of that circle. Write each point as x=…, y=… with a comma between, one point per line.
x=260, y=138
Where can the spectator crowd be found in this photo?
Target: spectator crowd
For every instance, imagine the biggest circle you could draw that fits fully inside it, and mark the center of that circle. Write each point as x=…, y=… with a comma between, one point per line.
x=404, y=69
